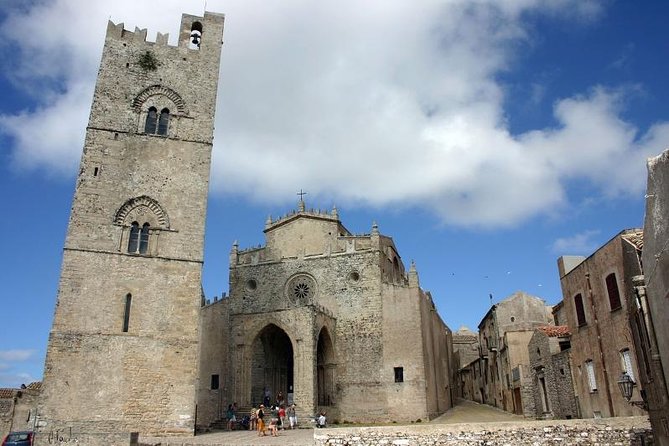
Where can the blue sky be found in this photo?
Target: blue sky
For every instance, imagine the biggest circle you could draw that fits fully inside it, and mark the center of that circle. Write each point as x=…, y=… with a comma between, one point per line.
x=487, y=138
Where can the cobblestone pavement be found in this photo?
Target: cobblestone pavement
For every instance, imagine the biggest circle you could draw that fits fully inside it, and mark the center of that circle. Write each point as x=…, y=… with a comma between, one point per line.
x=463, y=412
x=296, y=437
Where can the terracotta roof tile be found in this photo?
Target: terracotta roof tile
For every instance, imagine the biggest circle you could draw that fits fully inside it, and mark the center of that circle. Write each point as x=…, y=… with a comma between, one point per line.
x=35, y=385
x=635, y=238
x=7, y=393
x=555, y=331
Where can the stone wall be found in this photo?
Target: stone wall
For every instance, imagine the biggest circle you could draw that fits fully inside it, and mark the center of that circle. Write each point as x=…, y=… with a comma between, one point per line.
x=617, y=431
x=656, y=272
x=554, y=366
x=214, y=360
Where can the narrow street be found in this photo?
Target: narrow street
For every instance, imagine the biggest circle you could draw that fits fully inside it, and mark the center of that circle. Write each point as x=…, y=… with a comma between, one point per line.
x=470, y=412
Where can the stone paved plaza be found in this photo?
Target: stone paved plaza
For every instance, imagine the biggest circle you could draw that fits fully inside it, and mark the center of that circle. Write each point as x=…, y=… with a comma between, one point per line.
x=464, y=412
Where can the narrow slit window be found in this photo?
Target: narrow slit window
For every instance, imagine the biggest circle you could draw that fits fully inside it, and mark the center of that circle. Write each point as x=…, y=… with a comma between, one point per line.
x=214, y=382
x=133, y=240
x=399, y=374
x=126, y=312
x=580, y=310
x=151, y=121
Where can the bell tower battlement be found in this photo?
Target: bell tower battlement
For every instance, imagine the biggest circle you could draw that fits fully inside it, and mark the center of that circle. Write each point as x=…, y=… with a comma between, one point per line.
x=143, y=74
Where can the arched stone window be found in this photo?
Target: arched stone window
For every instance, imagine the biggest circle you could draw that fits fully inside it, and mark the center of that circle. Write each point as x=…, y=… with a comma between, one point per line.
x=157, y=124
x=163, y=122
x=159, y=109
x=144, y=239
x=151, y=120
x=133, y=239
x=142, y=220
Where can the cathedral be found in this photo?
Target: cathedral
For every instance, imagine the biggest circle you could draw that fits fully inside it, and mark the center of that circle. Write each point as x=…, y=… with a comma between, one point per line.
x=330, y=319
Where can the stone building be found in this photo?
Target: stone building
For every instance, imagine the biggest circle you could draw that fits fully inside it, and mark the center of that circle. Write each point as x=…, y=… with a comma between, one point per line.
x=551, y=377
x=504, y=357
x=597, y=293
x=465, y=347
x=123, y=349
x=330, y=319
x=465, y=351
x=17, y=408
x=649, y=318
x=471, y=381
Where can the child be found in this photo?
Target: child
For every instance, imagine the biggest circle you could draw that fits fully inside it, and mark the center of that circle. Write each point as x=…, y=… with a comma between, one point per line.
x=253, y=419
x=272, y=427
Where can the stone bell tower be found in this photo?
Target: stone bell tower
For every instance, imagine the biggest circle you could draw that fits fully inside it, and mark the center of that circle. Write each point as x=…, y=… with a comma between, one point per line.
x=122, y=353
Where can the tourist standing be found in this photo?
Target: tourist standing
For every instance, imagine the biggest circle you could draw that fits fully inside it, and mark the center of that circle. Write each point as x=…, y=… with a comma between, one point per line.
x=282, y=417
x=292, y=416
x=232, y=419
x=261, y=420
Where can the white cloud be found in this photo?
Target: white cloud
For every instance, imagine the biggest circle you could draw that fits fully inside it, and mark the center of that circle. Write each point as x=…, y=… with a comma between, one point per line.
x=16, y=355
x=583, y=243
x=358, y=103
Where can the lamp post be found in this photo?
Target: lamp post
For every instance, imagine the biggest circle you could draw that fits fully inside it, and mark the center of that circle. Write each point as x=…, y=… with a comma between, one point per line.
x=626, y=385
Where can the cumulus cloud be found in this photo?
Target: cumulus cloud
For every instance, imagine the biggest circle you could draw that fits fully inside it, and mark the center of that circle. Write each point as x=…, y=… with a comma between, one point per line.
x=359, y=103
x=583, y=243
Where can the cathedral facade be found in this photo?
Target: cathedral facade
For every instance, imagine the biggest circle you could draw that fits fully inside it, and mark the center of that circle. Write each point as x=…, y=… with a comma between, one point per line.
x=332, y=321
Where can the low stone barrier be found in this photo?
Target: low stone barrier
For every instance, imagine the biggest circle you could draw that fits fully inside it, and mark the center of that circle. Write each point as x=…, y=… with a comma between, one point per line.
x=609, y=431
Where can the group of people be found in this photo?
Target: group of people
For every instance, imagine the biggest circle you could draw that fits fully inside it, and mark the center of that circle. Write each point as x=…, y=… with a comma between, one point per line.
x=270, y=417
x=277, y=419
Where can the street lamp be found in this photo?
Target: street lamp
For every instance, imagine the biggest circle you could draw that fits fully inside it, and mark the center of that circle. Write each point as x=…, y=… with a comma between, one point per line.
x=626, y=385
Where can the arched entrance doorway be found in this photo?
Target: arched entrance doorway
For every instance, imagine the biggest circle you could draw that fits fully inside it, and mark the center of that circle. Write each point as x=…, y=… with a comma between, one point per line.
x=272, y=364
x=325, y=367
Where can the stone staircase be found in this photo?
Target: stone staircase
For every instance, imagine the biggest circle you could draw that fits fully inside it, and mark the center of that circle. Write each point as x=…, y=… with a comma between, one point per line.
x=222, y=423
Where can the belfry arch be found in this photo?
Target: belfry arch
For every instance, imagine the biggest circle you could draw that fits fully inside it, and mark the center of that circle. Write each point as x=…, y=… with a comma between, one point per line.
x=325, y=369
x=272, y=364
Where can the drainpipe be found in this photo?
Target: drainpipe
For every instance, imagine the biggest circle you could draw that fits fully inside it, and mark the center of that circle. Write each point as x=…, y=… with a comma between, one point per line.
x=609, y=398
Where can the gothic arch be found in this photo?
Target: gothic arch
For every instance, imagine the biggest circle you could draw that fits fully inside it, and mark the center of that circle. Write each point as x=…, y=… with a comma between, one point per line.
x=272, y=363
x=162, y=219
x=154, y=90
x=325, y=368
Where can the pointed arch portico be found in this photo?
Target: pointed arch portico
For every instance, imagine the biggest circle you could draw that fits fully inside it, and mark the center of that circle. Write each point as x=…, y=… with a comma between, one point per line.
x=325, y=369
x=278, y=350
x=272, y=364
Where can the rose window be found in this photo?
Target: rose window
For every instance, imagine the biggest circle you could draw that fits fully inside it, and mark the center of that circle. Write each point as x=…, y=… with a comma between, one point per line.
x=301, y=289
